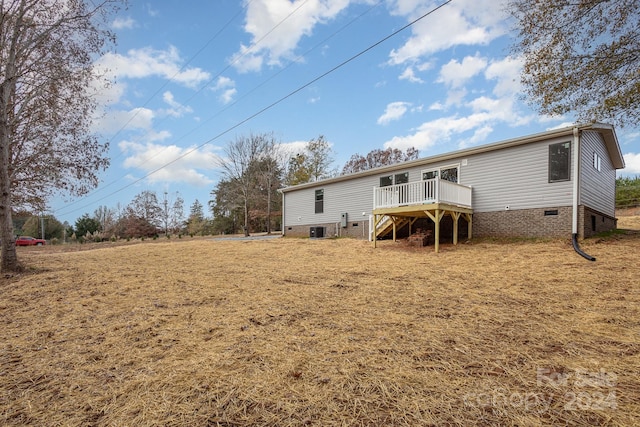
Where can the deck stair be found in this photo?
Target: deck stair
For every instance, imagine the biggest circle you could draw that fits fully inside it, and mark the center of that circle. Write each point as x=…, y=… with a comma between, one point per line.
x=386, y=225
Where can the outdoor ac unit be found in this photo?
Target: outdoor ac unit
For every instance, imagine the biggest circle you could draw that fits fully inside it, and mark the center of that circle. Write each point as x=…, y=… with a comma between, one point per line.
x=316, y=232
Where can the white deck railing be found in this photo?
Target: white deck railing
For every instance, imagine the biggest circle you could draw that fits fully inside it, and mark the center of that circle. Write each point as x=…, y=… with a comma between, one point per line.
x=422, y=192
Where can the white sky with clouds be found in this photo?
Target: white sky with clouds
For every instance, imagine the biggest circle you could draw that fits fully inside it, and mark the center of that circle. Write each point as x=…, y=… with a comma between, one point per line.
x=187, y=74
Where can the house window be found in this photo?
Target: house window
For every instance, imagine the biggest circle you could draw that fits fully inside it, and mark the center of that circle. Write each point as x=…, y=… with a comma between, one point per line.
x=559, y=162
x=448, y=173
x=386, y=181
x=597, y=161
x=319, y=201
x=429, y=175
x=402, y=178
x=399, y=178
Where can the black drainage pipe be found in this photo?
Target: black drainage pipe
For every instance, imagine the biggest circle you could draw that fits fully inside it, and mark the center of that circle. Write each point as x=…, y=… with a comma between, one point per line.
x=574, y=238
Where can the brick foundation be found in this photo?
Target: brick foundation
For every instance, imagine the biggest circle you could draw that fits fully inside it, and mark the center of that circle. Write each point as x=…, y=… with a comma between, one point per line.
x=523, y=223
x=592, y=222
x=543, y=222
x=534, y=222
x=356, y=229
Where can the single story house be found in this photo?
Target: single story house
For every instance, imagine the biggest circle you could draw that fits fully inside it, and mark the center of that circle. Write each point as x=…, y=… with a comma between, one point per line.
x=551, y=184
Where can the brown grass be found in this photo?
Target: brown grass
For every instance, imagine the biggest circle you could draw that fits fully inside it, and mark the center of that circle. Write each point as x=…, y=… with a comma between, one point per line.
x=327, y=332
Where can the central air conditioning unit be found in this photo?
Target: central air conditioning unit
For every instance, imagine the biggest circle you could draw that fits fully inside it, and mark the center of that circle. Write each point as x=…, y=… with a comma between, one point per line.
x=316, y=232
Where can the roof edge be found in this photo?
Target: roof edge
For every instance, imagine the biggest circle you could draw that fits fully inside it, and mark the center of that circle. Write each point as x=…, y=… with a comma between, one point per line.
x=611, y=142
x=604, y=129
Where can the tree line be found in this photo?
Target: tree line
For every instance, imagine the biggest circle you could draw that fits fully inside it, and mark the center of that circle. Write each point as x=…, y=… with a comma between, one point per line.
x=628, y=192
x=245, y=200
x=255, y=167
x=46, y=102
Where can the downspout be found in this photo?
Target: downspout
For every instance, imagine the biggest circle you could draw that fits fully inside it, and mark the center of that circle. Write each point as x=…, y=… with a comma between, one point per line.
x=576, y=188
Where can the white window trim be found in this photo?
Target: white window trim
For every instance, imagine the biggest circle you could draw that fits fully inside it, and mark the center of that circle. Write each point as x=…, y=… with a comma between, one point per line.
x=440, y=168
x=393, y=178
x=597, y=162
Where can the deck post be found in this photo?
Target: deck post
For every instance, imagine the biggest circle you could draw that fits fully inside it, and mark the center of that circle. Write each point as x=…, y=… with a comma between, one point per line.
x=437, y=237
x=376, y=221
x=394, y=228
x=469, y=225
x=436, y=220
x=456, y=217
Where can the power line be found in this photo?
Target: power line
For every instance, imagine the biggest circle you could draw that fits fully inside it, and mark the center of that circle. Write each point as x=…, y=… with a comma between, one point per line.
x=162, y=86
x=273, y=104
x=293, y=61
x=238, y=58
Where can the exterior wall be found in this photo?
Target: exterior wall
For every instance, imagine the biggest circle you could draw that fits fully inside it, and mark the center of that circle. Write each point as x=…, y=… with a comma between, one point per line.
x=597, y=188
x=353, y=197
x=510, y=191
x=517, y=177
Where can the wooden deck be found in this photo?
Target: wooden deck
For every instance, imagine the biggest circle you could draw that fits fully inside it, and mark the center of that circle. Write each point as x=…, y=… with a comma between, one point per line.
x=390, y=219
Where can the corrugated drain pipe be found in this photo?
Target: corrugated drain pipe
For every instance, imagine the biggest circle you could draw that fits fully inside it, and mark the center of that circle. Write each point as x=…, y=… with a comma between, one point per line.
x=576, y=187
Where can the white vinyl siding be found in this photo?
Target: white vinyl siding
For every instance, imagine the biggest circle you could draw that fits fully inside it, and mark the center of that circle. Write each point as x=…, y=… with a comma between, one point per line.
x=516, y=176
x=597, y=187
x=352, y=197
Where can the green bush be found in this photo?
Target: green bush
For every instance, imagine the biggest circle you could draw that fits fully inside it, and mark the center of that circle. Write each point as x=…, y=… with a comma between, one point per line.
x=627, y=192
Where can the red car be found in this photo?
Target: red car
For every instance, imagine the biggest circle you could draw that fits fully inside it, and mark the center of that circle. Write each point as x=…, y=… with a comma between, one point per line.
x=29, y=241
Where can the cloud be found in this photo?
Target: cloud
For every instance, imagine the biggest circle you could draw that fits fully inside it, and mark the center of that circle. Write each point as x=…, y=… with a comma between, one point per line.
x=123, y=23
x=506, y=73
x=226, y=87
x=177, y=109
x=409, y=75
x=632, y=164
x=438, y=131
x=147, y=62
x=170, y=163
x=293, y=148
x=464, y=22
x=496, y=105
x=277, y=26
x=455, y=74
x=116, y=120
x=394, y=111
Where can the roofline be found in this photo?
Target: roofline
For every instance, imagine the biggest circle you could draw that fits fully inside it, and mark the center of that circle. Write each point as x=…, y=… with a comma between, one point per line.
x=606, y=130
x=611, y=141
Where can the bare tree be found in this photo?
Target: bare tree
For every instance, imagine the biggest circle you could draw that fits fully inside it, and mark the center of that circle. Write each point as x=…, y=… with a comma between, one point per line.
x=145, y=205
x=107, y=219
x=172, y=215
x=269, y=173
x=46, y=67
x=240, y=156
x=377, y=158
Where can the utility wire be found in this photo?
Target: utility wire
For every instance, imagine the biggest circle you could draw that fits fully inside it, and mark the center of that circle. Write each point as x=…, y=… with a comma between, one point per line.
x=179, y=71
x=273, y=104
x=197, y=92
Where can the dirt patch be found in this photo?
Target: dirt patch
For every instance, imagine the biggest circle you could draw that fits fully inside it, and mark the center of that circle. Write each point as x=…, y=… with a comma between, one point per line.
x=323, y=332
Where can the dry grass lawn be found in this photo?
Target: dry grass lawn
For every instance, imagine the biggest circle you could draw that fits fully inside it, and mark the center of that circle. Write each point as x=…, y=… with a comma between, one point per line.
x=323, y=332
